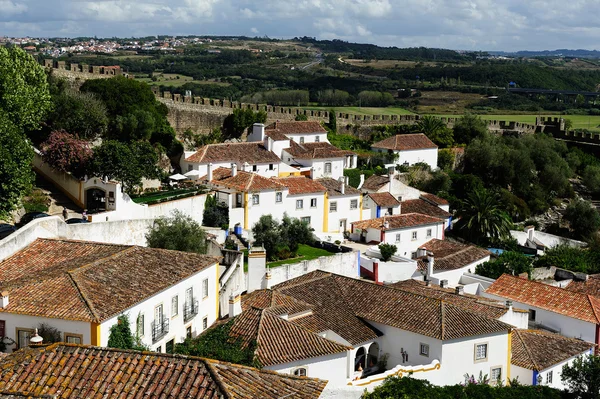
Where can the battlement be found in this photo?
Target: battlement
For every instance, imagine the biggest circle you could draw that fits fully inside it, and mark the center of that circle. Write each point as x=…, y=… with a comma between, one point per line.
x=104, y=71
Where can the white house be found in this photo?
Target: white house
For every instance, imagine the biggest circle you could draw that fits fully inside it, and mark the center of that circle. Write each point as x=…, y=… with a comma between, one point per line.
x=80, y=288
x=541, y=241
x=425, y=207
x=539, y=356
x=339, y=328
x=391, y=184
x=381, y=204
x=345, y=204
x=569, y=313
x=249, y=157
x=324, y=159
x=409, y=149
x=306, y=200
x=408, y=231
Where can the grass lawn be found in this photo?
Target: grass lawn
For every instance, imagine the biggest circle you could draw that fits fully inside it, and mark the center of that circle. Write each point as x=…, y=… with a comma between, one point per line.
x=168, y=79
x=590, y=122
x=145, y=199
x=305, y=252
x=364, y=110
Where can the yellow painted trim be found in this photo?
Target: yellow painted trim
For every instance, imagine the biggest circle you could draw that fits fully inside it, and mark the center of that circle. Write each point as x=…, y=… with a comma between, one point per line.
x=245, y=211
x=217, y=291
x=95, y=334
x=360, y=205
x=325, y=213
x=509, y=357
x=398, y=373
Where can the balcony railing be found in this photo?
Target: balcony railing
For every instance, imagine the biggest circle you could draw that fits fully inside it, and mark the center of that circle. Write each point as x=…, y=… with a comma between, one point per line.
x=190, y=309
x=160, y=328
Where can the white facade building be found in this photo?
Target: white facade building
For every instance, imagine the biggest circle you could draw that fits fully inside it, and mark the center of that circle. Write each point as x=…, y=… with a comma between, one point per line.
x=409, y=149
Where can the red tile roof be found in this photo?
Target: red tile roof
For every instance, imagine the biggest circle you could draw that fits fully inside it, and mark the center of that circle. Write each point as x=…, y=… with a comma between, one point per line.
x=334, y=187
x=248, y=182
x=554, y=299
x=384, y=199
x=79, y=371
x=397, y=222
x=300, y=185
x=450, y=255
x=316, y=151
x=252, y=153
x=296, y=127
x=538, y=350
x=404, y=142
x=423, y=207
x=434, y=199
x=375, y=182
x=591, y=286
x=89, y=281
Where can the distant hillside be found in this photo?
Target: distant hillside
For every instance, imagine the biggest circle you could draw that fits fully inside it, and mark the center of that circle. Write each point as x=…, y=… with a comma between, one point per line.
x=580, y=53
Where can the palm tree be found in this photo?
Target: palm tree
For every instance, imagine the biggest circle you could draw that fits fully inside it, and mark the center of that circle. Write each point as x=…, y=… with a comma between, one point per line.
x=436, y=130
x=480, y=218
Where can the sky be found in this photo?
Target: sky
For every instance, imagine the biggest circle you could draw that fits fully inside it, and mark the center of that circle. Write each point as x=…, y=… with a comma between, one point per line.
x=508, y=25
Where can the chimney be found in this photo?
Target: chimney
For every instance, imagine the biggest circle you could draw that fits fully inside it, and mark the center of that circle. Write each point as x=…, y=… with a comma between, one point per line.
x=427, y=283
x=444, y=283
x=36, y=339
x=430, y=263
x=257, y=267
x=509, y=305
x=343, y=185
x=386, y=224
x=209, y=173
x=460, y=290
x=362, y=181
x=235, y=304
x=391, y=177
x=530, y=232
x=346, y=180
x=268, y=280
x=258, y=132
x=233, y=169
x=246, y=167
x=4, y=300
x=312, y=173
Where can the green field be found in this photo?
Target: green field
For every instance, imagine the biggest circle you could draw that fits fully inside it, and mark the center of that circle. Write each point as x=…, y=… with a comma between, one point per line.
x=305, y=252
x=364, y=110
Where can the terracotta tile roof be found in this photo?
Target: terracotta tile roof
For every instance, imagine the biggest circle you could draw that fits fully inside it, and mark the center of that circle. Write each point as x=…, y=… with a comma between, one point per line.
x=300, y=185
x=483, y=306
x=397, y=222
x=434, y=199
x=277, y=302
x=334, y=187
x=403, y=142
x=246, y=181
x=321, y=150
x=280, y=341
x=554, y=299
x=296, y=127
x=450, y=255
x=88, y=281
x=252, y=153
x=384, y=199
x=591, y=286
x=423, y=207
x=375, y=182
x=538, y=350
x=80, y=371
x=276, y=135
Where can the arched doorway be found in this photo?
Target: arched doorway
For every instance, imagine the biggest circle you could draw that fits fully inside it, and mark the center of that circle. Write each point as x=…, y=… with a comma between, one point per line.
x=95, y=200
x=360, y=359
x=373, y=355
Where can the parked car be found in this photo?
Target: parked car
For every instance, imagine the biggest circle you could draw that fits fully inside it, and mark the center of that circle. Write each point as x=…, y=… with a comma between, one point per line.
x=6, y=230
x=28, y=217
x=76, y=221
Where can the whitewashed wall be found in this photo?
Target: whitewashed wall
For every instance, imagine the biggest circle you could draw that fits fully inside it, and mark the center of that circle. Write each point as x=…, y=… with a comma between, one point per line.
x=343, y=212
x=526, y=375
x=429, y=156
x=315, y=213
x=331, y=368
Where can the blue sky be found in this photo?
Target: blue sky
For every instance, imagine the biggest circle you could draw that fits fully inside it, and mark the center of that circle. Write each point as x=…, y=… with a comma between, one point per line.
x=458, y=24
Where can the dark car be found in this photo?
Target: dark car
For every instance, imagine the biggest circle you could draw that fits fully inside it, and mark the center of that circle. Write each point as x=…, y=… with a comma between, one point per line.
x=76, y=221
x=28, y=217
x=6, y=230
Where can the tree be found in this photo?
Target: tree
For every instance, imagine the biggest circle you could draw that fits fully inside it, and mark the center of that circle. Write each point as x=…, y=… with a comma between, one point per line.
x=583, y=219
x=446, y=158
x=301, y=117
x=241, y=119
x=508, y=262
x=120, y=335
x=591, y=178
x=480, y=218
x=67, y=153
x=281, y=240
x=265, y=233
x=78, y=113
x=468, y=128
x=436, y=130
x=215, y=213
x=16, y=174
x=583, y=377
x=332, y=125
x=24, y=95
x=178, y=232
x=387, y=251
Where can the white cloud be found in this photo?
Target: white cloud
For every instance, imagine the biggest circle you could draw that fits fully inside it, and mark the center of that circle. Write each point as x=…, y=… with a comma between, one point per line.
x=9, y=8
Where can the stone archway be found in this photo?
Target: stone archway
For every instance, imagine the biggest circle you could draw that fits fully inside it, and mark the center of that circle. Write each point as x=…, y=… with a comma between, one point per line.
x=373, y=355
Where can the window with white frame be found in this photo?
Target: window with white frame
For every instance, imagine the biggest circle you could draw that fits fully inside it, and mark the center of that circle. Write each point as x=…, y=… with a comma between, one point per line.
x=333, y=206
x=428, y=233
x=270, y=166
x=175, y=306
x=278, y=197
x=496, y=375
x=317, y=139
x=305, y=219
x=205, y=323
x=353, y=204
x=204, y=288
x=254, y=168
x=424, y=349
x=481, y=351
x=299, y=204
x=313, y=202
x=255, y=199
x=140, y=324
x=327, y=167
x=414, y=235
x=399, y=198
x=300, y=372
x=302, y=140
x=549, y=377
x=398, y=237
